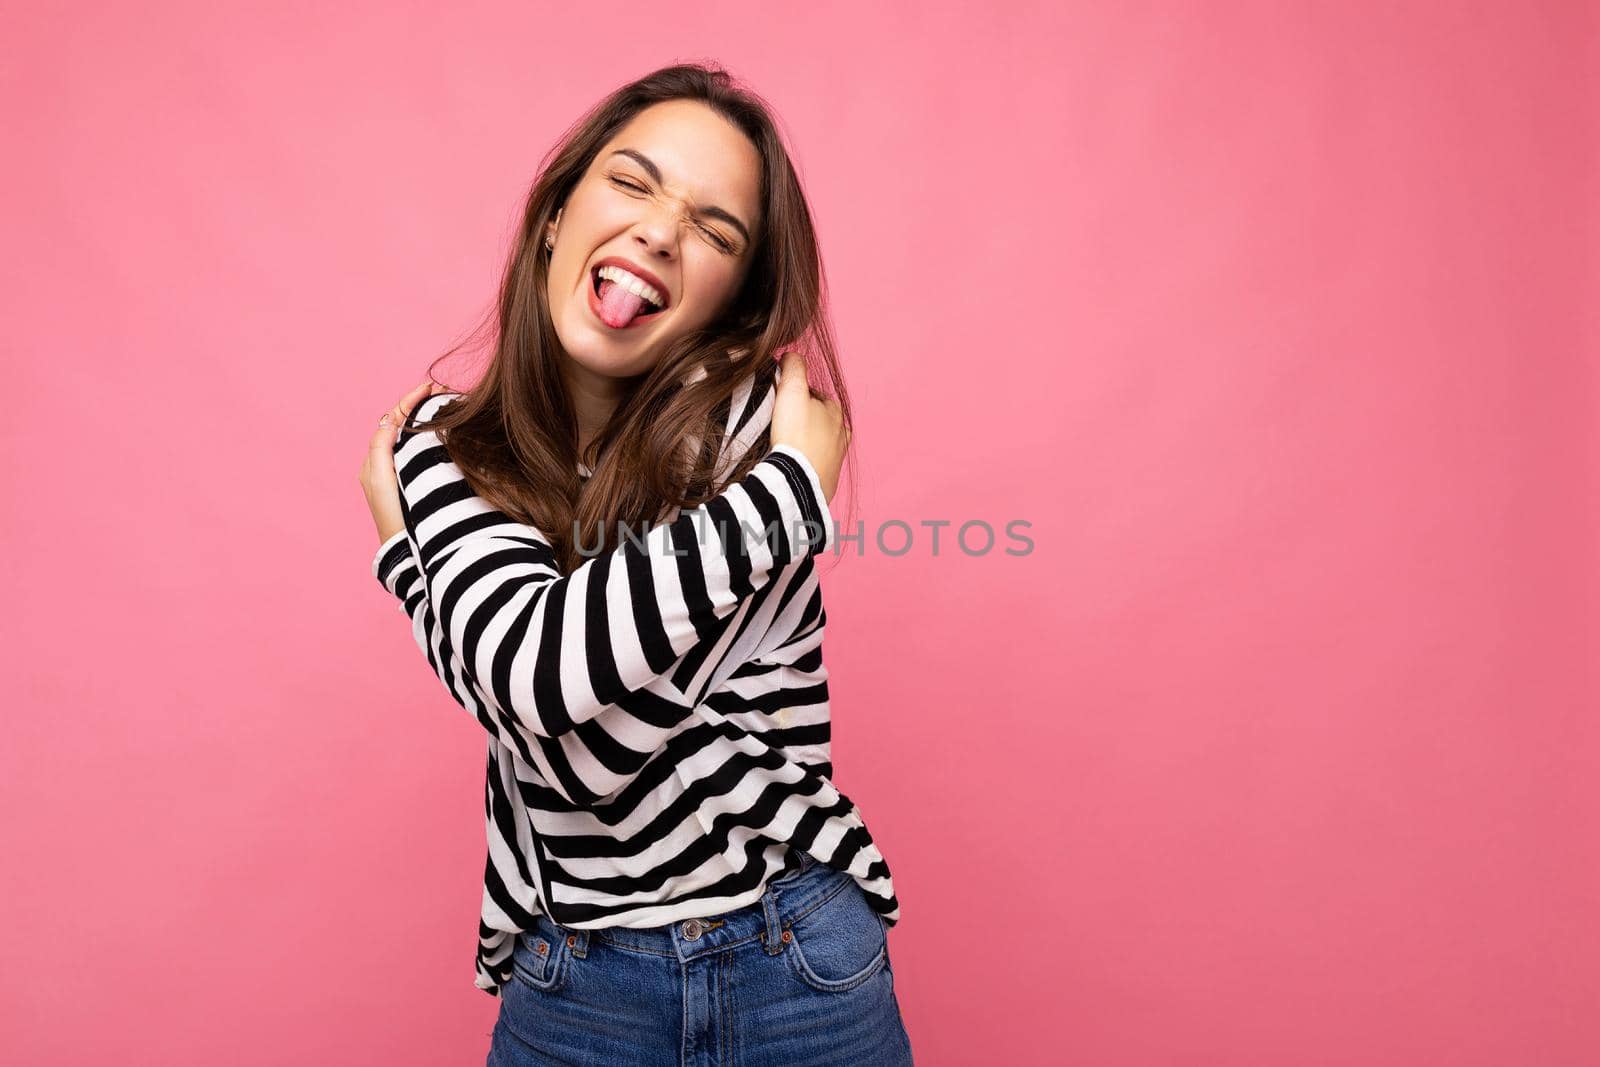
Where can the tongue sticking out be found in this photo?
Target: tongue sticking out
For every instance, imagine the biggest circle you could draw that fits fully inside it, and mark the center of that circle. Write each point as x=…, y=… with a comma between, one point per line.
x=618, y=306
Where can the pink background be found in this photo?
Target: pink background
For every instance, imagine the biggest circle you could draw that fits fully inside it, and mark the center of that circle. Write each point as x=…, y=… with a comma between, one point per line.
x=1275, y=321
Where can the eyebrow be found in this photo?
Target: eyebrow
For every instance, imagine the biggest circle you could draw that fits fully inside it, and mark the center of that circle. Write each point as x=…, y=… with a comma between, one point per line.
x=655, y=174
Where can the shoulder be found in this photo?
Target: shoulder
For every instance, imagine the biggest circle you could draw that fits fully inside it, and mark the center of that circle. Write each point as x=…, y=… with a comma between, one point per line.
x=749, y=417
x=428, y=408
x=416, y=443
x=416, y=424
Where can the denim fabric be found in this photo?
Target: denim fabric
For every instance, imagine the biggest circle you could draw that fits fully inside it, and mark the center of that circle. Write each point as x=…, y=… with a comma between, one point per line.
x=801, y=976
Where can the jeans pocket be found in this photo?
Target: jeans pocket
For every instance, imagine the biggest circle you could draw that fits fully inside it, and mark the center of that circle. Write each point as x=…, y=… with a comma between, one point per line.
x=839, y=944
x=539, y=956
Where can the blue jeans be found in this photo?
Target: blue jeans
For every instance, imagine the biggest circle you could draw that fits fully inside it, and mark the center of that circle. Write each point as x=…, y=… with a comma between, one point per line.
x=801, y=976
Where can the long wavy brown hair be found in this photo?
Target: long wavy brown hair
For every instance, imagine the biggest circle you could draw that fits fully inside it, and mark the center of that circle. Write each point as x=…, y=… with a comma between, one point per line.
x=514, y=434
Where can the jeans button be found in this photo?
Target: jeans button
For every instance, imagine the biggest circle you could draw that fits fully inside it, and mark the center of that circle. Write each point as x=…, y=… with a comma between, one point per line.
x=692, y=928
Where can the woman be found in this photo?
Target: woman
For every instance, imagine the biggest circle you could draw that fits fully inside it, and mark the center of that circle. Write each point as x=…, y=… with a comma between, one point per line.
x=607, y=549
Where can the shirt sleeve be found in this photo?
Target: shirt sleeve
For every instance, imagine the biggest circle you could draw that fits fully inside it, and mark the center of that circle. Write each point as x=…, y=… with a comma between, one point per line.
x=585, y=675
x=395, y=566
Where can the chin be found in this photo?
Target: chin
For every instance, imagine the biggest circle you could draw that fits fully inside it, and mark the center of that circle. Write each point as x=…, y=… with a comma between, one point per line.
x=597, y=356
x=612, y=367
x=592, y=349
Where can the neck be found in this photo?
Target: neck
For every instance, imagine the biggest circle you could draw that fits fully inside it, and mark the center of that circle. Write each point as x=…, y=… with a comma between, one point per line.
x=594, y=398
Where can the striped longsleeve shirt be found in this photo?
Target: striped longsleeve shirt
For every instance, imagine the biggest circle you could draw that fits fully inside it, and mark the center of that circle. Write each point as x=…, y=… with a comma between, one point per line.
x=657, y=720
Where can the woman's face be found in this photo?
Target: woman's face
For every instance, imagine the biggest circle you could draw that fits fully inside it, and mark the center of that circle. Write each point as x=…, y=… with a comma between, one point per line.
x=675, y=196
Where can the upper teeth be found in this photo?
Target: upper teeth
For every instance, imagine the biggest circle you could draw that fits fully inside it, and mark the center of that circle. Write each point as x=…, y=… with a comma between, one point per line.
x=633, y=283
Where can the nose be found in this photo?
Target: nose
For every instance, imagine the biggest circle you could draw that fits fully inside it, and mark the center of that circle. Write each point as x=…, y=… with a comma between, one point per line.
x=655, y=241
x=657, y=231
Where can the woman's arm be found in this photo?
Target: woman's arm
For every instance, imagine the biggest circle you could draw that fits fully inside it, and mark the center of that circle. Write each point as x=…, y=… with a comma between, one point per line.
x=611, y=658
x=572, y=764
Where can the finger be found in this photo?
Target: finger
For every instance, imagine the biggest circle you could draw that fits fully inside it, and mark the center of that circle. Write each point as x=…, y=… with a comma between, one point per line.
x=411, y=398
x=396, y=416
x=381, y=446
x=390, y=424
x=792, y=371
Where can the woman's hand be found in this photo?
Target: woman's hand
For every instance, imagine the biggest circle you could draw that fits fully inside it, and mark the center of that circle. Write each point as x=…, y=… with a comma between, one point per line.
x=378, y=479
x=810, y=423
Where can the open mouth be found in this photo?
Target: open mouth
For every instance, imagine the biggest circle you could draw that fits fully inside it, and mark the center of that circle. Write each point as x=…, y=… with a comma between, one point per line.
x=599, y=287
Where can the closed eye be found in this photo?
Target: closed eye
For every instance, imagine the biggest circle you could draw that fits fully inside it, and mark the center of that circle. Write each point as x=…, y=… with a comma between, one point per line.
x=637, y=188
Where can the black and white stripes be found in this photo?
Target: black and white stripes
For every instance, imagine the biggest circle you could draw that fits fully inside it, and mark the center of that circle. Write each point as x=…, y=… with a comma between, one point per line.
x=657, y=720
